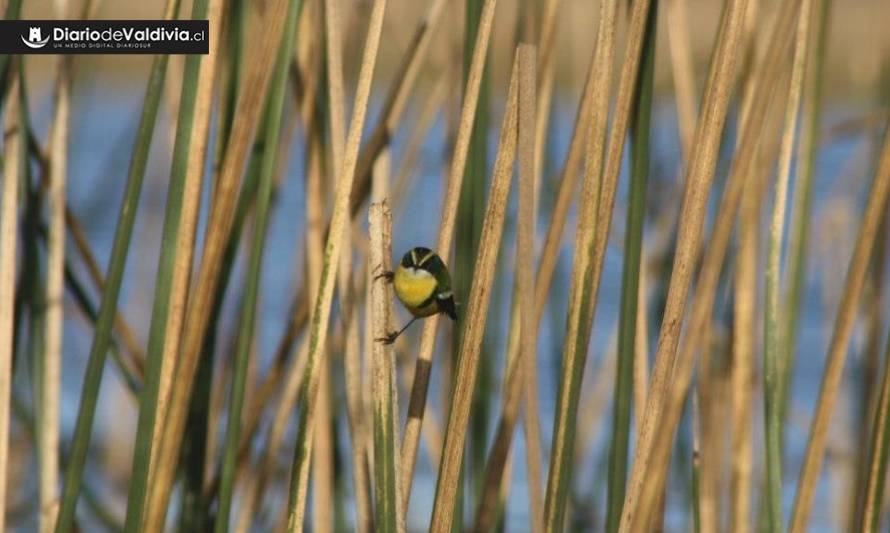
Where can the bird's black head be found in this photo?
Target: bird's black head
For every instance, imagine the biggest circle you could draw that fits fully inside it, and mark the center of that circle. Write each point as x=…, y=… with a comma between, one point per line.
x=415, y=256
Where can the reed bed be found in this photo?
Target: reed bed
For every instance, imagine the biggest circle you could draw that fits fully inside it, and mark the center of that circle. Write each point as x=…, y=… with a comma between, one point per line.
x=666, y=332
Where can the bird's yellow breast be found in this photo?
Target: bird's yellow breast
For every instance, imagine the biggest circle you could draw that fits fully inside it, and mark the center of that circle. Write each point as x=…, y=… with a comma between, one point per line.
x=413, y=286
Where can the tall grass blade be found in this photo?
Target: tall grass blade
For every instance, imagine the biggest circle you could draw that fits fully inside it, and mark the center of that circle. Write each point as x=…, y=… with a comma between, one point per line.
x=13, y=165
x=423, y=367
x=136, y=358
x=630, y=278
x=744, y=311
x=772, y=379
x=470, y=214
x=55, y=280
x=517, y=366
x=769, y=73
x=590, y=251
x=13, y=11
x=202, y=296
x=270, y=135
x=742, y=365
x=196, y=145
x=113, y=277
x=321, y=313
x=557, y=484
x=699, y=176
x=802, y=206
x=151, y=408
x=78, y=291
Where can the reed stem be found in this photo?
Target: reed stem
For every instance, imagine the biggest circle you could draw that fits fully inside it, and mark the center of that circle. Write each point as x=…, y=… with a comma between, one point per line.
x=630, y=278
x=473, y=322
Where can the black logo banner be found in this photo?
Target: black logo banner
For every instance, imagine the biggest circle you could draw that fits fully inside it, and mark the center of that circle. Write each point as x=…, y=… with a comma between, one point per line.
x=104, y=36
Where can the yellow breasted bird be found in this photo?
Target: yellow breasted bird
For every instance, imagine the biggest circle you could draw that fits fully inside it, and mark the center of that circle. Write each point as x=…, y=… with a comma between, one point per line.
x=423, y=285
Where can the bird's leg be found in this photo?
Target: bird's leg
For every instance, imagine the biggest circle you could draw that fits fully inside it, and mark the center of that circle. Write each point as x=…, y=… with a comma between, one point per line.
x=391, y=337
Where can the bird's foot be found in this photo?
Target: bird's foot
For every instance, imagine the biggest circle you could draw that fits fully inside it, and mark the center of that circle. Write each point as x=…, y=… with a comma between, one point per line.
x=389, y=339
x=388, y=276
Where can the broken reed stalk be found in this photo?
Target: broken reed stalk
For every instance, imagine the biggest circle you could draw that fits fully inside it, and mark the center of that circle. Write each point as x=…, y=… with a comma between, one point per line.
x=473, y=321
x=769, y=73
x=772, y=378
x=322, y=308
x=13, y=166
x=423, y=367
x=525, y=245
x=699, y=176
x=55, y=279
x=837, y=351
x=202, y=296
x=383, y=386
x=114, y=278
x=590, y=251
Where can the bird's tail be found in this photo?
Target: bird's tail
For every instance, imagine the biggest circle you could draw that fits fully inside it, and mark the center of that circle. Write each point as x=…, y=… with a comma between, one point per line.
x=446, y=305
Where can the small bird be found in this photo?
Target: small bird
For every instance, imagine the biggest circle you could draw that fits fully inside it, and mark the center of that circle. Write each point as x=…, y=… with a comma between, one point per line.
x=423, y=285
